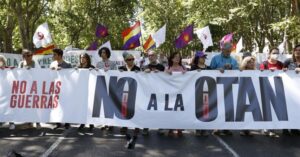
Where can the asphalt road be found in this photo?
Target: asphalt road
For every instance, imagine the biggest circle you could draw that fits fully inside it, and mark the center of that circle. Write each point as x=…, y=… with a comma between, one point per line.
x=31, y=142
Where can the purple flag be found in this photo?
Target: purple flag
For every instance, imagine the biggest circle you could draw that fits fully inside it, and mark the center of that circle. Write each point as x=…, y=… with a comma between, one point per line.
x=185, y=37
x=226, y=39
x=93, y=46
x=101, y=31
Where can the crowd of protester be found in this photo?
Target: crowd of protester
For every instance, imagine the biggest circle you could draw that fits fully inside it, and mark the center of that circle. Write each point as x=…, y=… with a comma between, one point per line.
x=222, y=62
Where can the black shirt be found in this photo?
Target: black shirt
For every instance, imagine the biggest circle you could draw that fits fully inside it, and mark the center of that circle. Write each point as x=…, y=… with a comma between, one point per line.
x=134, y=68
x=153, y=67
x=195, y=67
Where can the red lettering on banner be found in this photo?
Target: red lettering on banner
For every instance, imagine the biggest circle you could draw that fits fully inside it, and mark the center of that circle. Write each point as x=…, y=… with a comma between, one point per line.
x=21, y=101
x=46, y=98
x=35, y=102
x=50, y=102
x=55, y=102
x=43, y=101
x=44, y=88
x=33, y=89
x=28, y=100
x=51, y=89
x=58, y=85
x=13, y=101
x=23, y=87
x=15, y=87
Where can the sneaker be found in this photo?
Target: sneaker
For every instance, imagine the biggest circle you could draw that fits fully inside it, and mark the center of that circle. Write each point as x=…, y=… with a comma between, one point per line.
x=67, y=125
x=38, y=126
x=123, y=130
x=58, y=125
x=91, y=127
x=81, y=127
x=217, y=132
x=295, y=132
x=286, y=132
x=227, y=132
x=12, y=126
x=245, y=133
x=201, y=133
x=179, y=133
x=160, y=132
x=145, y=132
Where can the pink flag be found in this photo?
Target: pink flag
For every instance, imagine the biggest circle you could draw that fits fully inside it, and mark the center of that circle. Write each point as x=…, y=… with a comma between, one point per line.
x=226, y=39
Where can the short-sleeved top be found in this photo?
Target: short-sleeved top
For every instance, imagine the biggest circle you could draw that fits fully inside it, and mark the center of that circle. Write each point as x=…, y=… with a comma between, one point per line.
x=111, y=65
x=267, y=65
x=176, y=69
x=153, y=67
x=63, y=65
x=23, y=64
x=195, y=67
x=219, y=61
x=134, y=68
x=290, y=64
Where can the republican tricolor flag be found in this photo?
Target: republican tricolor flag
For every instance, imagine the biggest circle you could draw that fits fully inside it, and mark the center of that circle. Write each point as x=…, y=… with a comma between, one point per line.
x=131, y=36
x=149, y=44
x=101, y=31
x=185, y=37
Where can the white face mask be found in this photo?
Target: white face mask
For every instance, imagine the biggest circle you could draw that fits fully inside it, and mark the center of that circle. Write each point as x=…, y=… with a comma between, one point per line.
x=274, y=56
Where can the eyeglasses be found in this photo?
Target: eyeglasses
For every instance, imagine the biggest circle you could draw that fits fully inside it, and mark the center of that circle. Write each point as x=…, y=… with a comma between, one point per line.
x=130, y=59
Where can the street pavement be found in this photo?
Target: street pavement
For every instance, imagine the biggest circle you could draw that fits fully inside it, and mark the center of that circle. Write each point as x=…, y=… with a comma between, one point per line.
x=30, y=142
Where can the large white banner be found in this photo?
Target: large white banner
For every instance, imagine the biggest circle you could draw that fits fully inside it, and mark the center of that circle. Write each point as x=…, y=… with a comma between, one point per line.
x=194, y=100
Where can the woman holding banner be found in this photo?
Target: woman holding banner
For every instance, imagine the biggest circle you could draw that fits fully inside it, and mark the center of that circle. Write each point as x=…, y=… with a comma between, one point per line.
x=248, y=63
x=129, y=66
x=175, y=65
x=293, y=64
x=105, y=64
x=271, y=64
x=85, y=63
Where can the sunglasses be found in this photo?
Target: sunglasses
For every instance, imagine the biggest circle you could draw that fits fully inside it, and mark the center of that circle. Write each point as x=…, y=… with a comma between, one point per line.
x=130, y=59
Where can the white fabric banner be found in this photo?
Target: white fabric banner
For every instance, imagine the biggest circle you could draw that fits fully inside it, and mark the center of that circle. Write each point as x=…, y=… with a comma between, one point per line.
x=194, y=100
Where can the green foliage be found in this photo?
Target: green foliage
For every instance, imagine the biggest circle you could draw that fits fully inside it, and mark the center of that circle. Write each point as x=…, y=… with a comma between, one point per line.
x=73, y=22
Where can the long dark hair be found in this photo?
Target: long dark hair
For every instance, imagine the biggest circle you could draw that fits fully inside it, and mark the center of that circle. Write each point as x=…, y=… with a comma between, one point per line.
x=170, y=62
x=88, y=59
x=294, y=58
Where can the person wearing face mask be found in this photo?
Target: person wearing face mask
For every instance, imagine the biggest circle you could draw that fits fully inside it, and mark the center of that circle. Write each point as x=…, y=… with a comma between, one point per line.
x=272, y=63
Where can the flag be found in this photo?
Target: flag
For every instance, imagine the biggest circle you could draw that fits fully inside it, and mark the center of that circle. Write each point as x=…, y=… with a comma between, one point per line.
x=266, y=49
x=159, y=37
x=226, y=39
x=107, y=44
x=149, y=44
x=101, y=31
x=281, y=47
x=93, y=46
x=45, y=50
x=42, y=36
x=185, y=37
x=131, y=36
x=239, y=45
x=205, y=37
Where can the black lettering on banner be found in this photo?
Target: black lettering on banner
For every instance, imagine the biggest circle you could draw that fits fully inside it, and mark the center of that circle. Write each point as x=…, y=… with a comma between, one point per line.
x=119, y=101
x=228, y=96
x=167, y=108
x=277, y=100
x=152, y=102
x=246, y=88
x=179, y=103
x=206, y=99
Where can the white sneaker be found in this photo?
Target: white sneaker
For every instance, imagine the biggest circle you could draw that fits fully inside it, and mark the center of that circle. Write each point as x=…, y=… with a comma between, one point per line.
x=38, y=126
x=12, y=126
